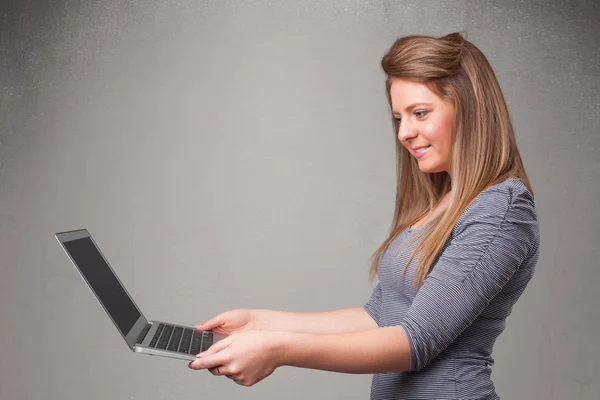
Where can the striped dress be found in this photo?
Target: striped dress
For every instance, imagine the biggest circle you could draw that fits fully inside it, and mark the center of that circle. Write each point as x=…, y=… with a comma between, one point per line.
x=453, y=320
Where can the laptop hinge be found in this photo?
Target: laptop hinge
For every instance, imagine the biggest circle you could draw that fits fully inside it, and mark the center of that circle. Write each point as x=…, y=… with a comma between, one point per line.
x=144, y=333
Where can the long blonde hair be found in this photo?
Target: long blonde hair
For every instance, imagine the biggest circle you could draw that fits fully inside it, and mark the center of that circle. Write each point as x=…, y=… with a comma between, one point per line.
x=484, y=151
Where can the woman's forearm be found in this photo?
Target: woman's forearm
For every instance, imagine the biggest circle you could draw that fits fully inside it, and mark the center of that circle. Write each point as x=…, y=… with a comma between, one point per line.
x=377, y=350
x=329, y=322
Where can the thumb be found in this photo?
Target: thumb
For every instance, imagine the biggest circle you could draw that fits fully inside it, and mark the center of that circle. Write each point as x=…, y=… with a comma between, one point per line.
x=218, y=346
x=211, y=323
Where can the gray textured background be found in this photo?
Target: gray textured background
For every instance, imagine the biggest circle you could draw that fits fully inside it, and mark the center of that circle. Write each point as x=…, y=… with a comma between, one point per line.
x=239, y=154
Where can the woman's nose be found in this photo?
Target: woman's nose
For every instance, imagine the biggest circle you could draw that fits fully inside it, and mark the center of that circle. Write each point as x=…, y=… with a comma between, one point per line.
x=406, y=131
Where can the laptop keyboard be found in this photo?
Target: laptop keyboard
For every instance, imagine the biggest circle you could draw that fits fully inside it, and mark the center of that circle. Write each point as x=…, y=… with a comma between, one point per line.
x=181, y=340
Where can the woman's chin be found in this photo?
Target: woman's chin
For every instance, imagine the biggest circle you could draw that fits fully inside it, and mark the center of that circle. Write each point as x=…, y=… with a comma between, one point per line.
x=430, y=169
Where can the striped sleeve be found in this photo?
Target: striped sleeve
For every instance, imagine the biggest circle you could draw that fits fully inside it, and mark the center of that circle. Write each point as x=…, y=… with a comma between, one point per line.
x=374, y=304
x=491, y=240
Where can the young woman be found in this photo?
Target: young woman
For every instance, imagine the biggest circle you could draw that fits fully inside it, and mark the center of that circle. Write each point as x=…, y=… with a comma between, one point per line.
x=463, y=246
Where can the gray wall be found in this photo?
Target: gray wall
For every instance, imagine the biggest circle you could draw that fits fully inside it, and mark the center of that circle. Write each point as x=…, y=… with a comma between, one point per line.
x=233, y=154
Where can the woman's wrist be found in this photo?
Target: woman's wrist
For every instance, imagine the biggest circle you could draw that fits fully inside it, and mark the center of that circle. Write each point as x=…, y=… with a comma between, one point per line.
x=263, y=319
x=282, y=347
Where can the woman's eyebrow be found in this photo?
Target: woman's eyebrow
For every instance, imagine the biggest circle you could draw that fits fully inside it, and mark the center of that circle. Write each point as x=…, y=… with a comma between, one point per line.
x=413, y=105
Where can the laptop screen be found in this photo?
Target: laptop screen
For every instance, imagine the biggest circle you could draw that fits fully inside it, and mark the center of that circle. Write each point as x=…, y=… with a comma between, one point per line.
x=103, y=282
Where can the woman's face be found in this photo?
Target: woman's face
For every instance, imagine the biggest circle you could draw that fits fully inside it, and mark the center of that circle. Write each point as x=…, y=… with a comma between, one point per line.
x=426, y=124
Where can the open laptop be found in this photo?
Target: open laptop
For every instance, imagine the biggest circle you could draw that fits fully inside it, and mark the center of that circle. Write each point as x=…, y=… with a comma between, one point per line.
x=142, y=336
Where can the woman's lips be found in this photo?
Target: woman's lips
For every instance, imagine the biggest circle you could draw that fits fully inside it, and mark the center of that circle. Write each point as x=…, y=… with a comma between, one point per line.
x=421, y=153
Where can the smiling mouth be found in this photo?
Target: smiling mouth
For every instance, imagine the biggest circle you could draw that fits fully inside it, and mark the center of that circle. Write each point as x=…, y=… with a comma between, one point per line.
x=420, y=152
x=422, y=149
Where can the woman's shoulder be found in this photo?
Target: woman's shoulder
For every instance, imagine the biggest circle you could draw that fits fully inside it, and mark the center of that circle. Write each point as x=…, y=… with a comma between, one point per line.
x=511, y=186
x=504, y=214
x=504, y=194
x=496, y=201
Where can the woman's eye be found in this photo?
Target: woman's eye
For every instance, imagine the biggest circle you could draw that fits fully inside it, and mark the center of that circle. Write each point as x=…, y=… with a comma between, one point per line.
x=419, y=114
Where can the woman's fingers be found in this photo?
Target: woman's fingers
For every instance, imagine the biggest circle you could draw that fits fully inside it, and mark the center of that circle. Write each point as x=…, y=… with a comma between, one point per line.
x=213, y=357
x=211, y=323
x=215, y=348
x=209, y=362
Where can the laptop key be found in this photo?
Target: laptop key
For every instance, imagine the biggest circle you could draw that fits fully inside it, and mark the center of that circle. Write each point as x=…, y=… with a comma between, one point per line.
x=164, y=338
x=174, y=342
x=196, y=342
x=207, y=340
x=157, y=335
x=185, y=341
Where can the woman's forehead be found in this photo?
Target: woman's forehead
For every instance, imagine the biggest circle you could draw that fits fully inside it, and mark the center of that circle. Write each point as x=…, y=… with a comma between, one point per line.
x=405, y=93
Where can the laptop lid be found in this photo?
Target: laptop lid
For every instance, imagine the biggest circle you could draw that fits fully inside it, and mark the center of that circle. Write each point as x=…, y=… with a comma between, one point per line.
x=104, y=283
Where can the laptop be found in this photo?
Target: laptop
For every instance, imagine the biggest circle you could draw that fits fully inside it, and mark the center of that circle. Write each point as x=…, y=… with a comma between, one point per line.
x=155, y=338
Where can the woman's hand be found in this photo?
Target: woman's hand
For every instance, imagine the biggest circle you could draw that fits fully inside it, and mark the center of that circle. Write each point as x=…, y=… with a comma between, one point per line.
x=231, y=322
x=246, y=357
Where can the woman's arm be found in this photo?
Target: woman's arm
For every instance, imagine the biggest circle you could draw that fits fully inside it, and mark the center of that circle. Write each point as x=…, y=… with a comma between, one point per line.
x=368, y=352
x=250, y=356
x=330, y=322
